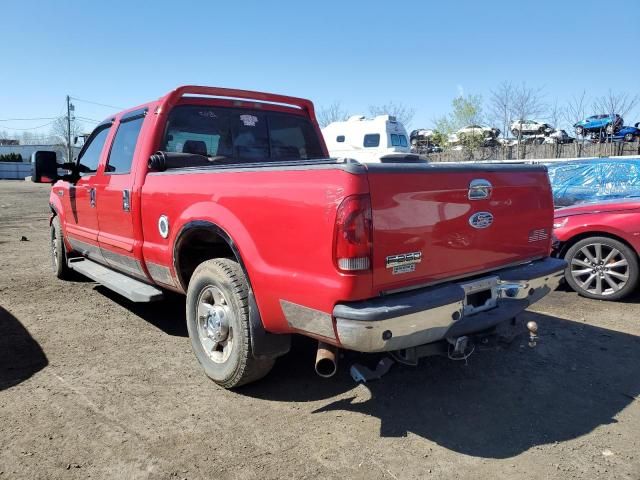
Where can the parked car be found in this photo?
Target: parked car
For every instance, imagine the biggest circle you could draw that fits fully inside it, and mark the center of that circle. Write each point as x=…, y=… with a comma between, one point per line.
x=422, y=141
x=597, y=225
x=529, y=127
x=608, y=123
x=420, y=135
x=558, y=136
x=366, y=139
x=229, y=197
x=600, y=244
x=627, y=134
x=533, y=139
x=486, y=132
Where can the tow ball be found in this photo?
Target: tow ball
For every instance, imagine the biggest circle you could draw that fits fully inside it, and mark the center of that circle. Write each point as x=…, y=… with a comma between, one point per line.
x=533, y=333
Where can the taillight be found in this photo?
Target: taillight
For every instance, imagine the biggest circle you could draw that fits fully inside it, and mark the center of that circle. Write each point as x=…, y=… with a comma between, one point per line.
x=352, y=242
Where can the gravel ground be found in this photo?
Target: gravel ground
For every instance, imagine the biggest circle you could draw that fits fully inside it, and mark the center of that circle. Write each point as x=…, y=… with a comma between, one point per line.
x=93, y=386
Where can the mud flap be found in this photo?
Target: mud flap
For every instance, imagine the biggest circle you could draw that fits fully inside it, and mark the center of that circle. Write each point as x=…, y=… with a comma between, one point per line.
x=263, y=343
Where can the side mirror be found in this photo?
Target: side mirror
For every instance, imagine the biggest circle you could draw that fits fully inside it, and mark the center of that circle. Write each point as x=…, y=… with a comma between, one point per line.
x=44, y=167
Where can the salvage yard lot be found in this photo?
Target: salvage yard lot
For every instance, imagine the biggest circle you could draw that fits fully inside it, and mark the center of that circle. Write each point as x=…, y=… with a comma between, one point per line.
x=94, y=386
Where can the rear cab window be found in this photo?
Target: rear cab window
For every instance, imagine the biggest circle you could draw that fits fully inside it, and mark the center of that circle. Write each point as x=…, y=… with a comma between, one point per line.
x=227, y=135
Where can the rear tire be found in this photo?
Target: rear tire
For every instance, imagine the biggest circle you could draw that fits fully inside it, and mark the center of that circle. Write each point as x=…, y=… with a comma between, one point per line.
x=58, y=251
x=601, y=268
x=218, y=324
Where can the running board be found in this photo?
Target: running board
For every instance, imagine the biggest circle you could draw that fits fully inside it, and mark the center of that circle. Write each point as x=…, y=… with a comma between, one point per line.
x=128, y=287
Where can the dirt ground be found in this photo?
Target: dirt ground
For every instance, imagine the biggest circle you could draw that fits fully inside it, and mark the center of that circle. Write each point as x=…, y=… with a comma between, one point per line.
x=93, y=386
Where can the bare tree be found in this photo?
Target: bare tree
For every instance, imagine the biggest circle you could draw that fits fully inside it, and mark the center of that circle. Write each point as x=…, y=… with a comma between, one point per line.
x=330, y=114
x=501, y=106
x=612, y=102
x=402, y=113
x=575, y=109
x=555, y=115
x=59, y=130
x=528, y=103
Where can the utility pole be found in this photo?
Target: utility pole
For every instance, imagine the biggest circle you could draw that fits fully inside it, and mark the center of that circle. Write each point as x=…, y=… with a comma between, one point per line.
x=70, y=108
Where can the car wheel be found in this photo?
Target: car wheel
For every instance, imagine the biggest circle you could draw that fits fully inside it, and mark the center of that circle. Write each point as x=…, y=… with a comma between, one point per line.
x=602, y=268
x=579, y=131
x=218, y=324
x=628, y=137
x=58, y=251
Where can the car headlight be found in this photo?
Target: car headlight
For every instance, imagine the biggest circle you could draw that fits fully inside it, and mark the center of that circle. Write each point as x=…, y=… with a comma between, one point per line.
x=561, y=222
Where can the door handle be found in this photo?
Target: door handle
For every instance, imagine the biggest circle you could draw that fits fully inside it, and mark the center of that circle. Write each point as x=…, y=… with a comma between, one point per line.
x=126, y=201
x=92, y=197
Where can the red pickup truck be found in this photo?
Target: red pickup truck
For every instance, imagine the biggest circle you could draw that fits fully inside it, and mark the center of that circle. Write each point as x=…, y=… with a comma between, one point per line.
x=228, y=196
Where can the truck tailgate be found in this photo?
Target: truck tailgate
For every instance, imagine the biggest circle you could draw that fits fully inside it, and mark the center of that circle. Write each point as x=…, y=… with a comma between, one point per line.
x=426, y=229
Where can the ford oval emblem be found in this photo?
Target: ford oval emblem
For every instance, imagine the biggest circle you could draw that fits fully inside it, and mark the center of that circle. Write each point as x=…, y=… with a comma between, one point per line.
x=481, y=220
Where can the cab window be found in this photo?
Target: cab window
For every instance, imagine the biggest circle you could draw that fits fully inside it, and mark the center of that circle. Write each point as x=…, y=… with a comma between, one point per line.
x=231, y=135
x=89, y=157
x=124, y=145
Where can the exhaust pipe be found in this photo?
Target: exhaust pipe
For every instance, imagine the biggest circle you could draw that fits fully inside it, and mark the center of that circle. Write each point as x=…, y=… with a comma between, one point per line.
x=326, y=360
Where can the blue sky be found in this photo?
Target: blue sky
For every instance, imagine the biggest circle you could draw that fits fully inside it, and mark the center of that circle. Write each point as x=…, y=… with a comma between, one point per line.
x=123, y=53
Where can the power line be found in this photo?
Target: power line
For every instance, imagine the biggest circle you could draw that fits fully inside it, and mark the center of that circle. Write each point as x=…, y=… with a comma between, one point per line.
x=26, y=119
x=87, y=119
x=97, y=103
x=31, y=128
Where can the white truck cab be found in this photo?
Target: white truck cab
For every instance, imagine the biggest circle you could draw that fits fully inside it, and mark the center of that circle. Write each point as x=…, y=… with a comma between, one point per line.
x=366, y=139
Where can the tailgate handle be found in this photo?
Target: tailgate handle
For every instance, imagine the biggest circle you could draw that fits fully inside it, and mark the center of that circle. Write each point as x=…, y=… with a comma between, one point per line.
x=479, y=189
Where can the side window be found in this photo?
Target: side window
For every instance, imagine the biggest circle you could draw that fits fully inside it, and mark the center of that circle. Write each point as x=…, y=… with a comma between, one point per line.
x=340, y=138
x=89, y=157
x=403, y=141
x=124, y=144
x=372, y=140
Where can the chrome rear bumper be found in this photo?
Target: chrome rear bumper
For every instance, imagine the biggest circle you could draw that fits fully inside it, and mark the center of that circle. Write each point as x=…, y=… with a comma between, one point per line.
x=409, y=319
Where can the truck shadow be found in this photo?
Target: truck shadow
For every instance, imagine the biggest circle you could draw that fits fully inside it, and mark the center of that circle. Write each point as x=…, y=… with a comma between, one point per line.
x=167, y=315
x=499, y=405
x=20, y=355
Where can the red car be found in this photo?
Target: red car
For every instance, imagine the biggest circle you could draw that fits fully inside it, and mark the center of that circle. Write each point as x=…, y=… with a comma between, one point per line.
x=600, y=242
x=228, y=196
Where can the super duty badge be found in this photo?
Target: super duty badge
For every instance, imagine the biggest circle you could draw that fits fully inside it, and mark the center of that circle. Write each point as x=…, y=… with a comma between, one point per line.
x=403, y=262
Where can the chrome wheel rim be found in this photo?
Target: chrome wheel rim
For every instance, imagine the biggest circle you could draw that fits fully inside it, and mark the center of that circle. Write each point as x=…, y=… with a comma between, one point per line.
x=215, y=330
x=600, y=269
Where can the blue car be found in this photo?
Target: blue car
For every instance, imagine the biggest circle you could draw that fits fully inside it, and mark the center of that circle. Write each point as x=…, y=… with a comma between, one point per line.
x=598, y=123
x=627, y=134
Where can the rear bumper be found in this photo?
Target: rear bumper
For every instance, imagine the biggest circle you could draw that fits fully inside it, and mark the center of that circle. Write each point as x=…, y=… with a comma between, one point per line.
x=409, y=319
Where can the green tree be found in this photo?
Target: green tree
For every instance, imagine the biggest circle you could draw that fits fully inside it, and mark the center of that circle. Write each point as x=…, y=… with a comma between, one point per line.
x=465, y=110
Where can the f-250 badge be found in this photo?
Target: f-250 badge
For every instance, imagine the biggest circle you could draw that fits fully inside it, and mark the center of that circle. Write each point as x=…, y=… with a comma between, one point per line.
x=403, y=262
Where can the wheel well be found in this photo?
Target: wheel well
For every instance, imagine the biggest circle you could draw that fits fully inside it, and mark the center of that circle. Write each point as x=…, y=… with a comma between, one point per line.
x=196, y=246
x=573, y=240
